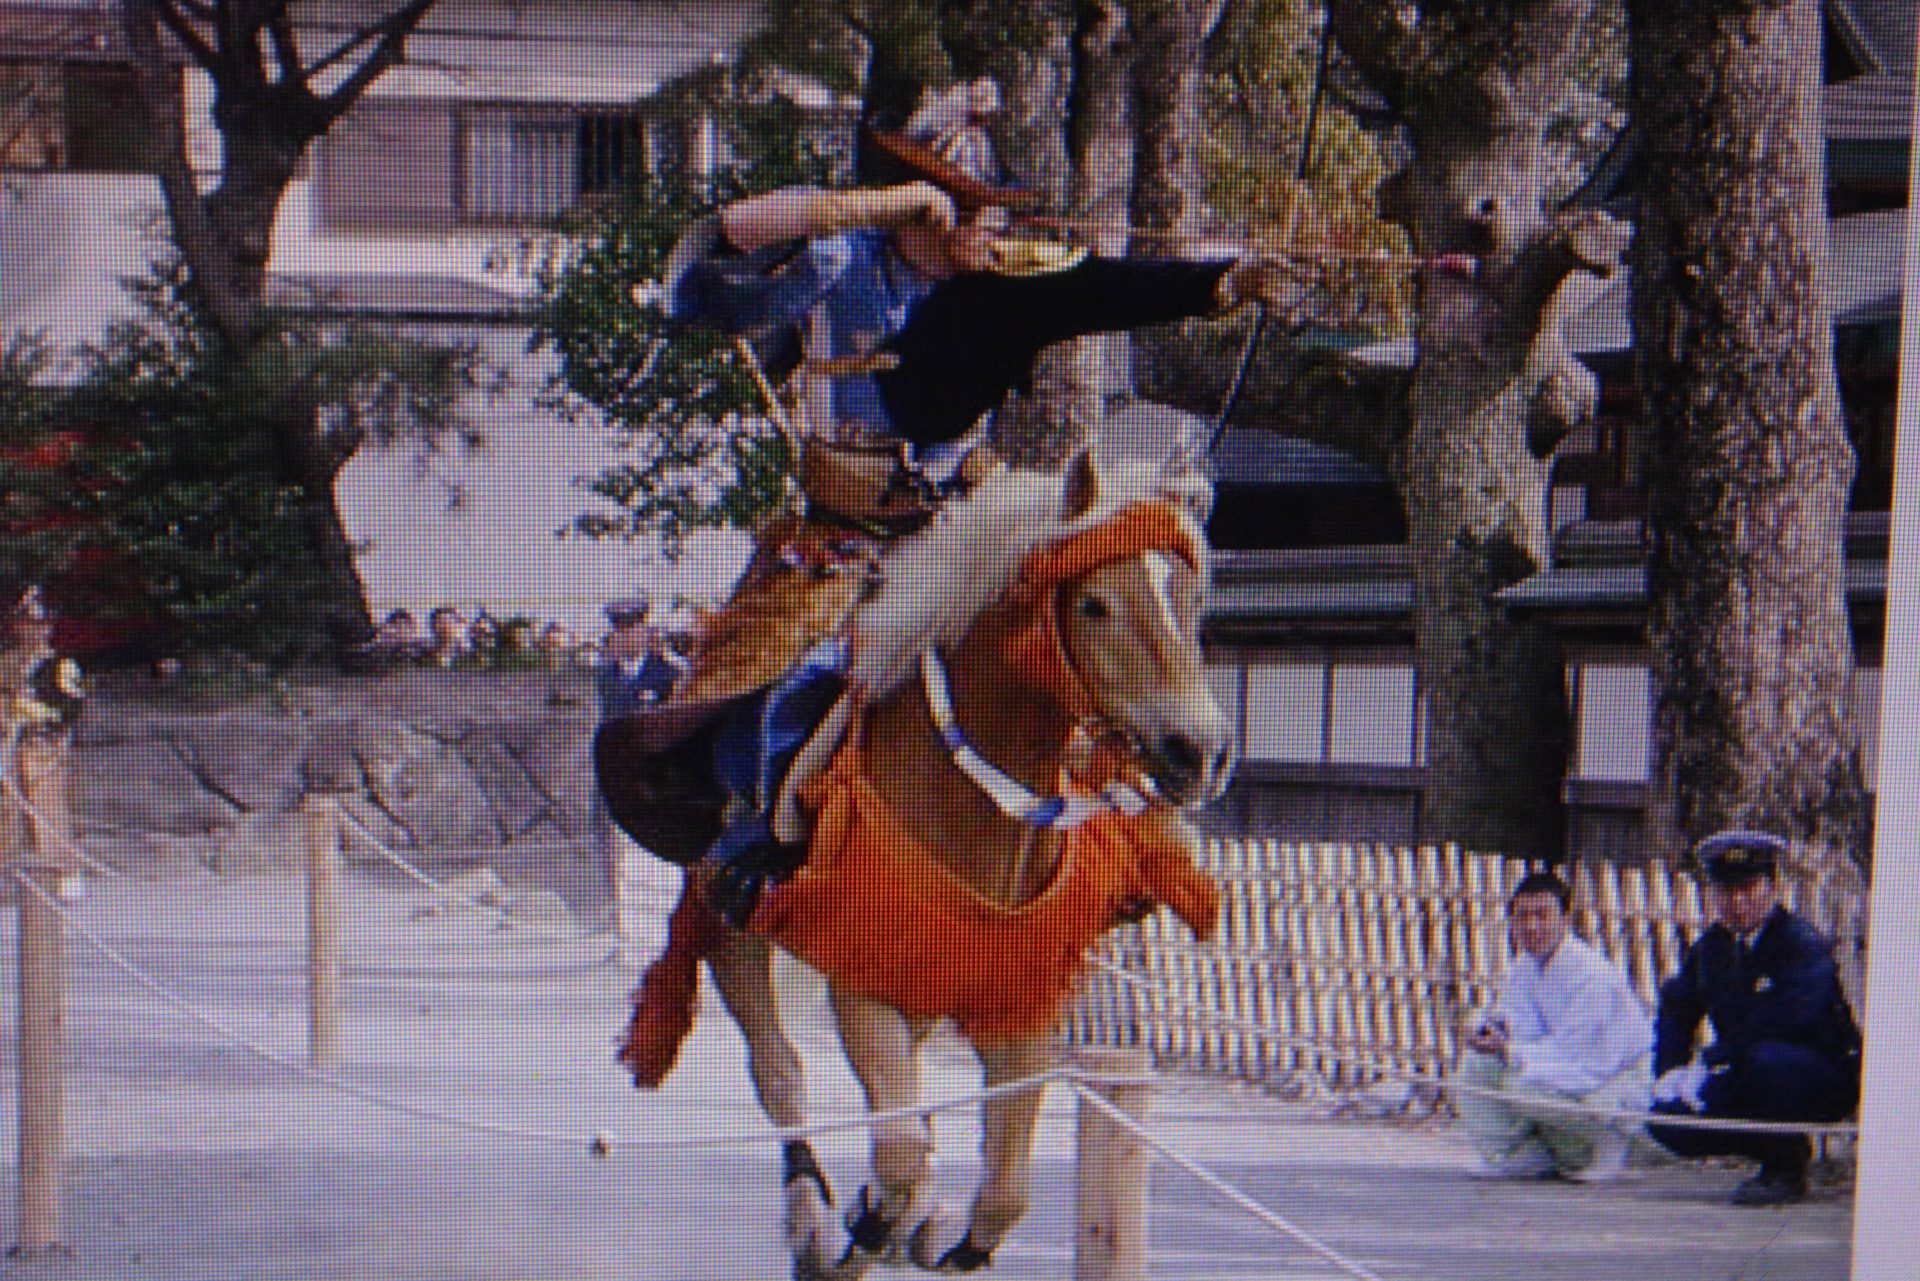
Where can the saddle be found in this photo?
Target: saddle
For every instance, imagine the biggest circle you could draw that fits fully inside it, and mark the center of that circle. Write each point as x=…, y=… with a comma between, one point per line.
x=664, y=771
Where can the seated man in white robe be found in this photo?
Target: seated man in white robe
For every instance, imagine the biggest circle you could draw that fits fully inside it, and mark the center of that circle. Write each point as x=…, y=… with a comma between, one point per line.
x=1567, y=1028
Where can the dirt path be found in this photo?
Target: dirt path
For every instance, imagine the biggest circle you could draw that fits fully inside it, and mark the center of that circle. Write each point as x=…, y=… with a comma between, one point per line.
x=192, y=1161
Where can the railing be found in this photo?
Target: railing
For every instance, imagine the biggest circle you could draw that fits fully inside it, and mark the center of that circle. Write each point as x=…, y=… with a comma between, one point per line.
x=1337, y=965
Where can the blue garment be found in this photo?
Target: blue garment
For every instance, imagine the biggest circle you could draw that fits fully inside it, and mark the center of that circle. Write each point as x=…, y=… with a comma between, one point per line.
x=759, y=737
x=1785, y=1045
x=624, y=690
x=863, y=289
x=1767, y=1081
x=1783, y=987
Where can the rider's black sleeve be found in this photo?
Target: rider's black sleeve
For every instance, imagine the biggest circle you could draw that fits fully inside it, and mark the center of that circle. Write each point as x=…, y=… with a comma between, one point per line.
x=975, y=337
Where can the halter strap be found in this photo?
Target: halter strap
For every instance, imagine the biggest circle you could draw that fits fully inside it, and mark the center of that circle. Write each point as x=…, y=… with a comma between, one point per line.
x=1037, y=648
x=1008, y=794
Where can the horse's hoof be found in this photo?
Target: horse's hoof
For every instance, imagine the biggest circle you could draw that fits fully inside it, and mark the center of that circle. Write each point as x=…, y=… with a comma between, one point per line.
x=965, y=1256
x=872, y=1232
x=941, y=1244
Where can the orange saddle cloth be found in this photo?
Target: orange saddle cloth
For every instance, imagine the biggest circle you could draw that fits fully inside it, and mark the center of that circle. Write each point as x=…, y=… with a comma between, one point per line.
x=877, y=914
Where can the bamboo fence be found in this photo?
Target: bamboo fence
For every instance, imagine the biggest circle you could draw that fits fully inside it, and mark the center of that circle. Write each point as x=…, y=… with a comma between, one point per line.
x=1339, y=965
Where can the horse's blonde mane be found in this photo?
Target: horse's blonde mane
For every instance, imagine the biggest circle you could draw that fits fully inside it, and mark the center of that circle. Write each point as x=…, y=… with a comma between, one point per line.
x=935, y=582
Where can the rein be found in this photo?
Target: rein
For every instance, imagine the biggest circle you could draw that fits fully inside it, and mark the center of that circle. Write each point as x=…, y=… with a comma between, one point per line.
x=1011, y=797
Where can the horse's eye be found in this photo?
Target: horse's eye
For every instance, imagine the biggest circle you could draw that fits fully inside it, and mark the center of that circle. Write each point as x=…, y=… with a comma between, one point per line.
x=1094, y=607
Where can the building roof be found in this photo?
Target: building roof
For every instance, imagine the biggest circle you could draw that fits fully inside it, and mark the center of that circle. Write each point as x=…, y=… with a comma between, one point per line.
x=1868, y=264
x=1870, y=108
x=1881, y=32
x=1600, y=574
x=1248, y=455
x=1356, y=590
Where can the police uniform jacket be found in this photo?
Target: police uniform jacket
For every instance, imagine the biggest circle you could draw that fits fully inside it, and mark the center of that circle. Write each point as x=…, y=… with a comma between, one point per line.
x=1782, y=986
x=625, y=688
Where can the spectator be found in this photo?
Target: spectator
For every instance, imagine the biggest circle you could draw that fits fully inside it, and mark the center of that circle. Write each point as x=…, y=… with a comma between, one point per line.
x=41, y=697
x=513, y=642
x=555, y=646
x=635, y=670
x=397, y=638
x=483, y=639
x=634, y=673
x=1785, y=1045
x=1566, y=1028
x=447, y=636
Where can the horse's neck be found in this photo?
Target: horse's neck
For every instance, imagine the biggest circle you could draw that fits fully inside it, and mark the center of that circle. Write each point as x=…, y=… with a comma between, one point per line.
x=1022, y=733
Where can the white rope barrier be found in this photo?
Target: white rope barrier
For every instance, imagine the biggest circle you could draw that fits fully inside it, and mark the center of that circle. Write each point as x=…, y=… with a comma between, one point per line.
x=413, y=873
x=1222, y=1188
x=597, y=1143
x=519, y=849
x=1545, y=1103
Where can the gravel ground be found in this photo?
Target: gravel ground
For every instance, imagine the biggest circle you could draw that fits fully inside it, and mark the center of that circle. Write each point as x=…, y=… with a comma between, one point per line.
x=191, y=1160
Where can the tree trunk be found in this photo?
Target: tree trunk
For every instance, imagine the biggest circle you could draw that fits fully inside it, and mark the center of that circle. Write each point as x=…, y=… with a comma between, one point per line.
x=1492, y=392
x=1169, y=41
x=1059, y=126
x=1494, y=689
x=1749, y=464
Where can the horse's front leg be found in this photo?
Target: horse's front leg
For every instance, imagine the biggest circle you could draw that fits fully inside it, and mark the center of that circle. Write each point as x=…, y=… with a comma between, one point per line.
x=742, y=970
x=882, y=1047
x=1006, y=1150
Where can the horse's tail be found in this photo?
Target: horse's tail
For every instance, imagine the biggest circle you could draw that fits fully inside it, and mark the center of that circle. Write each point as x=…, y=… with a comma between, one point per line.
x=664, y=1003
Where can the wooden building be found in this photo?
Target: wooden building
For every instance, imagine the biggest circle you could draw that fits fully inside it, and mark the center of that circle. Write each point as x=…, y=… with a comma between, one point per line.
x=1310, y=628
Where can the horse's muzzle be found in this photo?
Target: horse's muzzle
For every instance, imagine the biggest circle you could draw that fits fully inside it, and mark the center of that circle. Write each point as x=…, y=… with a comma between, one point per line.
x=1190, y=771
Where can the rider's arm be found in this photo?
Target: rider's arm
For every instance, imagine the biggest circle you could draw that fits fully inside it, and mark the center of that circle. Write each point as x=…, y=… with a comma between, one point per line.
x=806, y=212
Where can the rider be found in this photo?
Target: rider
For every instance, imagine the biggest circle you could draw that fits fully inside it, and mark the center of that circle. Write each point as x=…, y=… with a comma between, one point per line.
x=906, y=316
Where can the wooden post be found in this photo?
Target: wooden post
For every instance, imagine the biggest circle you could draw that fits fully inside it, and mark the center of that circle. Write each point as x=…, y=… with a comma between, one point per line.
x=323, y=930
x=42, y=1023
x=42, y=857
x=1110, y=1177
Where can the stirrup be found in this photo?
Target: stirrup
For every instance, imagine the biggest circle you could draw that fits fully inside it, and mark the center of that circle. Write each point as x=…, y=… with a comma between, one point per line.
x=735, y=885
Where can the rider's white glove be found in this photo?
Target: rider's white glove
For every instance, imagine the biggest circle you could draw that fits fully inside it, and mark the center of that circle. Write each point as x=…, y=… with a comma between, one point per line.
x=1681, y=1085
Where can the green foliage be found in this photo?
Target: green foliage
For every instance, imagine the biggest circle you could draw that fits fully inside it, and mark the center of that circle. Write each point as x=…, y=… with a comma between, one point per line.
x=152, y=489
x=679, y=402
x=1257, y=103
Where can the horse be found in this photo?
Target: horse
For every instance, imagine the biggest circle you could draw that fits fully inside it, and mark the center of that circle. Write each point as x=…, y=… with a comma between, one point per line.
x=1052, y=623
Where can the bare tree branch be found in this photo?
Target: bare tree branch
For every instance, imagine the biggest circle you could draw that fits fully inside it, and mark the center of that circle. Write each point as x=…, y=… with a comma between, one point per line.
x=389, y=51
x=184, y=31
x=194, y=233
x=1323, y=397
x=286, y=48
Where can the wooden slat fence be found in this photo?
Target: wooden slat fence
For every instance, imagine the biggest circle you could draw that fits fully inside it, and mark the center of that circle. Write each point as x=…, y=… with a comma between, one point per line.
x=1339, y=964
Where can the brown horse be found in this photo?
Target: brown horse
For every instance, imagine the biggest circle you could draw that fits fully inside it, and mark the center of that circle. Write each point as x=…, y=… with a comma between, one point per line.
x=946, y=879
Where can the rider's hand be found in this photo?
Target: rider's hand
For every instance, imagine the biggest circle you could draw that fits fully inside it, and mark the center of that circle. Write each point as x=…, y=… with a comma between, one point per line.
x=1259, y=279
x=1489, y=1037
x=917, y=203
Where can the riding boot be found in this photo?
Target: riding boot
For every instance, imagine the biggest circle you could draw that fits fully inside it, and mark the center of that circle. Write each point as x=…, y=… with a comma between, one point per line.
x=742, y=863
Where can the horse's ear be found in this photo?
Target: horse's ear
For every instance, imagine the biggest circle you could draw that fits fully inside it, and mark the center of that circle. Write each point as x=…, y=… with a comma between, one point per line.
x=1083, y=487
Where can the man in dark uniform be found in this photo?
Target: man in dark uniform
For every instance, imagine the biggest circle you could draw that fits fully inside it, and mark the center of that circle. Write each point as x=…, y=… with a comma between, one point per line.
x=1785, y=1045
x=635, y=670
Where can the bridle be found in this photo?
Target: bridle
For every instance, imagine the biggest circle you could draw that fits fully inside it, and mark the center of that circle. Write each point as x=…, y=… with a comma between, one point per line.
x=1039, y=649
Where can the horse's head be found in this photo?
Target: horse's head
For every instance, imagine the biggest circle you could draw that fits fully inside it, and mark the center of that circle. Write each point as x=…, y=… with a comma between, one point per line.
x=1128, y=592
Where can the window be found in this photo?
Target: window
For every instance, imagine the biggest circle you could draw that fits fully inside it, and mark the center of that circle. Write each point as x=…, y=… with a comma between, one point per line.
x=406, y=163
x=69, y=116
x=1286, y=712
x=1373, y=714
x=1615, y=722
